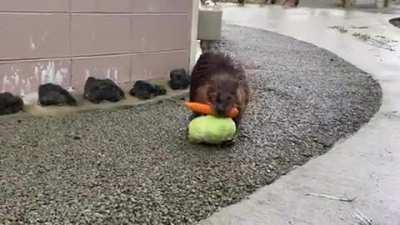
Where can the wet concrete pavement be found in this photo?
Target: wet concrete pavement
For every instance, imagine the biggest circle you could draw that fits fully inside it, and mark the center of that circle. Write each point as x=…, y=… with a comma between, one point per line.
x=135, y=166
x=366, y=166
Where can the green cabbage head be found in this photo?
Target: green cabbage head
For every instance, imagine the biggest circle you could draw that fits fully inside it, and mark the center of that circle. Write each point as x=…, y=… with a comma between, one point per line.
x=211, y=130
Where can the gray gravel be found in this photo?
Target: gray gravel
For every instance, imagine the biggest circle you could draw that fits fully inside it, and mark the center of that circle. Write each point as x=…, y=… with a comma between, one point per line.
x=135, y=166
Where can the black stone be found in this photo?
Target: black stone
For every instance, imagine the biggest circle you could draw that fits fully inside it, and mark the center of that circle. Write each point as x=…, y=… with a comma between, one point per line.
x=179, y=79
x=395, y=22
x=159, y=90
x=145, y=90
x=98, y=90
x=10, y=104
x=52, y=94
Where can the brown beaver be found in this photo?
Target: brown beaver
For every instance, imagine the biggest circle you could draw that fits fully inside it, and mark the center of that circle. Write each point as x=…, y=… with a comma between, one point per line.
x=219, y=81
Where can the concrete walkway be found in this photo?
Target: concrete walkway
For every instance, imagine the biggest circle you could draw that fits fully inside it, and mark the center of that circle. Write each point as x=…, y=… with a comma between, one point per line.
x=366, y=166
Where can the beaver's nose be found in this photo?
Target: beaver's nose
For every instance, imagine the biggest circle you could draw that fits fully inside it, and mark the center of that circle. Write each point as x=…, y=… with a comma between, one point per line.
x=220, y=109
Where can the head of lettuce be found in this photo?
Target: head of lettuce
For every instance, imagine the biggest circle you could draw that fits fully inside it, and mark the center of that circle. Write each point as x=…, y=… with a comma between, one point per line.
x=211, y=130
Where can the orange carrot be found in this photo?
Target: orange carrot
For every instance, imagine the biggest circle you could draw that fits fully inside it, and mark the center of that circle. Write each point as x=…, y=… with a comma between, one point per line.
x=205, y=109
x=199, y=108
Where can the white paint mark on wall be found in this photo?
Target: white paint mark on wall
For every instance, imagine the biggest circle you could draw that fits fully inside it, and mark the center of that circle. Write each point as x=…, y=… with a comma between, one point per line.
x=24, y=81
x=36, y=72
x=116, y=75
x=32, y=43
x=110, y=73
x=28, y=84
x=87, y=74
x=49, y=73
x=13, y=81
x=5, y=83
x=16, y=78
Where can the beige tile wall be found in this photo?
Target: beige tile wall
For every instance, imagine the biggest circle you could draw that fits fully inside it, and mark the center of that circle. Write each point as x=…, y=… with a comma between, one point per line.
x=65, y=41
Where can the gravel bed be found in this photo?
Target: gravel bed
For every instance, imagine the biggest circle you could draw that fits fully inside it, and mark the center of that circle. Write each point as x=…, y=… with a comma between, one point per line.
x=135, y=166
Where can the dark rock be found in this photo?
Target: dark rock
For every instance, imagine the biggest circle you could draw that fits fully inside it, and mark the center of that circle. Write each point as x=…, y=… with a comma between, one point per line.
x=395, y=22
x=10, y=104
x=145, y=90
x=159, y=90
x=179, y=79
x=51, y=94
x=98, y=90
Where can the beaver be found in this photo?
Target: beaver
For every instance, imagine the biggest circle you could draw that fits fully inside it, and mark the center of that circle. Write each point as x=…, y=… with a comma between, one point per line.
x=220, y=82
